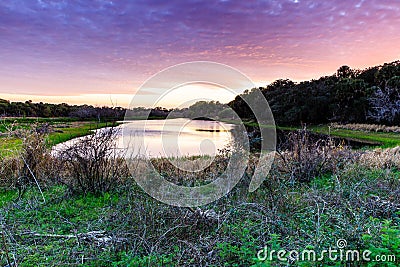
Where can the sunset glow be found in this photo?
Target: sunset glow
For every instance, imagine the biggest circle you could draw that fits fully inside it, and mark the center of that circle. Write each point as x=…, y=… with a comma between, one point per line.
x=100, y=52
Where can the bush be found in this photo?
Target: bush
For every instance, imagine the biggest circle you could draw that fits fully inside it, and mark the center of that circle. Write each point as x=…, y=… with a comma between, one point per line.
x=304, y=158
x=93, y=163
x=30, y=163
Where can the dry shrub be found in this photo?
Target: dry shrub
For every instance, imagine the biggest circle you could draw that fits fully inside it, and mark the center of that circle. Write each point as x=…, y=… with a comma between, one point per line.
x=192, y=170
x=93, y=163
x=9, y=171
x=29, y=164
x=303, y=158
x=36, y=157
x=381, y=158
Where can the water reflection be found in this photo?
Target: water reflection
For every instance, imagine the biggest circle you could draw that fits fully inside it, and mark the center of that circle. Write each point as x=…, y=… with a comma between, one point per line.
x=176, y=137
x=169, y=138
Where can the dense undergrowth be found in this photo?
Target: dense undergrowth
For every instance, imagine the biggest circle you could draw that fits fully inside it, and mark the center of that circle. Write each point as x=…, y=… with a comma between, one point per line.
x=357, y=204
x=315, y=195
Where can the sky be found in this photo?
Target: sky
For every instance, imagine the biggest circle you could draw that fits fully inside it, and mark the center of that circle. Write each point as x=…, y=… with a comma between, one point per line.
x=100, y=52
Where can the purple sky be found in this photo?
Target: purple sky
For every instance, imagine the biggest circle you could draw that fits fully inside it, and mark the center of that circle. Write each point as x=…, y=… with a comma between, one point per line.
x=72, y=51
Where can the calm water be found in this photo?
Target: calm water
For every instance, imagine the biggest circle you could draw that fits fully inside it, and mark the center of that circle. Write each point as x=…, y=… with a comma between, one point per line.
x=171, y=138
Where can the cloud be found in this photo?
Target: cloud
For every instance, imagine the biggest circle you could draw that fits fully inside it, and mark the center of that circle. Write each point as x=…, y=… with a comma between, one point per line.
x=82, y=44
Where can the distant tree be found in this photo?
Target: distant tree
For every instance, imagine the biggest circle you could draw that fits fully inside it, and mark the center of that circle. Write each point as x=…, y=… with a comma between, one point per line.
x=368, y=75
x=345, y=72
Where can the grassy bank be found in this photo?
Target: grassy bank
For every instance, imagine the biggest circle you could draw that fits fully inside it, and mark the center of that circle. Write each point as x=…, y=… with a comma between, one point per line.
x=76, y=129
x=385, y=139
x=63, y=129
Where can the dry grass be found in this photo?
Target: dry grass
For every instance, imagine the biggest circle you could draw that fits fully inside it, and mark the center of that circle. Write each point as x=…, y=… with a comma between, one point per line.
x=29, y=164
x=367, y=127
x=381, y=158
x=303, y=158
x=191, y=171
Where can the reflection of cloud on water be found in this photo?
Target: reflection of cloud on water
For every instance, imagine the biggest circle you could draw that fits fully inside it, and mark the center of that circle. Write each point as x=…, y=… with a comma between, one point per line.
x=167, y=138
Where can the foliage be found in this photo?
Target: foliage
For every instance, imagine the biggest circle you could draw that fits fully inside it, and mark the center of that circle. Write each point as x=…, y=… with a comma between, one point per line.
x=385, y=102
x=144, y=232
x=386, y=243
x=344, y=97
x=46, y=110
x=93, y=163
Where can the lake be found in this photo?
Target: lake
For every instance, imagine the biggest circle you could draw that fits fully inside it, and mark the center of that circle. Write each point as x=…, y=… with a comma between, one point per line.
x=170, y=138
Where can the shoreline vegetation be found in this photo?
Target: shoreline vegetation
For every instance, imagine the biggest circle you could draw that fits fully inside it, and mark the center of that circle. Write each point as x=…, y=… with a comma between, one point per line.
x=58, y=130
x=63, y=129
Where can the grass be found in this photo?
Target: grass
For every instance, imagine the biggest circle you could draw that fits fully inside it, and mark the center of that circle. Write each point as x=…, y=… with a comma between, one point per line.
x=26, y=122
x=385, y=139
x=8, y=145
x=66, y=129
x=148, y=233
x=77, y=129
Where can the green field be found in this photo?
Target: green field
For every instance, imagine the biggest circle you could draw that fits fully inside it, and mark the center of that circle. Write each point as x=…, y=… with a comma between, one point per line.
x=77, y=129
x=385, y=139
x=64, y=129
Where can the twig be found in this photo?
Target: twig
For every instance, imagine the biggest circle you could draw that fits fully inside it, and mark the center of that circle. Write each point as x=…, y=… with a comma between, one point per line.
x=49, y=235
x=37, y=183
x=6, y=249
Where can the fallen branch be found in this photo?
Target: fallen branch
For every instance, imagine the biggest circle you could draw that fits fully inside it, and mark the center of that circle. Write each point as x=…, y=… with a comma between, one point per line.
x=99, y=237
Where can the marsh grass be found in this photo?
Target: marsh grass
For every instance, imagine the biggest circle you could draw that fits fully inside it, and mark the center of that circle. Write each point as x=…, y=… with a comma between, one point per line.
x=191, y=171
x=367, y=127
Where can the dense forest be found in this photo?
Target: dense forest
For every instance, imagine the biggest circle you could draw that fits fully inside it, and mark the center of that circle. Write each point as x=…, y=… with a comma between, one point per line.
x=371, y=95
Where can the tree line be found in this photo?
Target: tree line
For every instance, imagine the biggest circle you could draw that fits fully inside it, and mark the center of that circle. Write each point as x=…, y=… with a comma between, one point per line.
x=371, y=95
x=46, y=110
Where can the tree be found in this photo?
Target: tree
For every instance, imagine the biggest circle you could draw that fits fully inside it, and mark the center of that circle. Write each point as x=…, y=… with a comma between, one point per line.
x=349, y=102
x=345, y=72
x=385, y=102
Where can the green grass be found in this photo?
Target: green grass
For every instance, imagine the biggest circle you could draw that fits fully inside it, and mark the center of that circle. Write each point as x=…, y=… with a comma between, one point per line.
x=74, y=129
x=385, y=139
x=83, y=129
x=9, y=146
x=288, y=217
x=26, y=122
